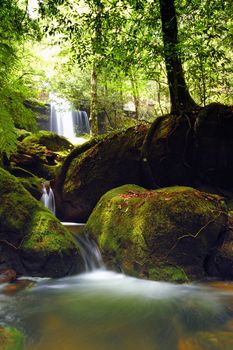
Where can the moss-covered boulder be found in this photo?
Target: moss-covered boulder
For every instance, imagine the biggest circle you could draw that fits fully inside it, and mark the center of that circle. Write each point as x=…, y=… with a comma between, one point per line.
x=32, y=240
x=30, y=182
x=50, y=140
x=41, y=153
x=11, y=339
x=164, y=234
x=96, y=167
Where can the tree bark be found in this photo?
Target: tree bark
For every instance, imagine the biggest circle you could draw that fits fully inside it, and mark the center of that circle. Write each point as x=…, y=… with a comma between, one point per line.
x=179, y=94
x=93, y=105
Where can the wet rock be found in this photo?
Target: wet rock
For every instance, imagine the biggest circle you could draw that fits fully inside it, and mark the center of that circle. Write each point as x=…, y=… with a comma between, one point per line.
x=7, y=276
x=189, y=150
x=164, y=234
x=96, y=167
x=17, y=286
x=11, y=339
x=33, y=242
x=41, y=153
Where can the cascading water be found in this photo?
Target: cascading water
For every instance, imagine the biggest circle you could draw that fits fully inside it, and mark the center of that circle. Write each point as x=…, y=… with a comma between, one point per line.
x=105, y=310
x=47, y=198
x=81, y=122
x=61, y=120
x=90, y=253
x=66, y=122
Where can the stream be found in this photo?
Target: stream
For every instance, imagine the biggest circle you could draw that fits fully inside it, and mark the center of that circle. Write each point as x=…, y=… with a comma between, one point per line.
x=104, y=310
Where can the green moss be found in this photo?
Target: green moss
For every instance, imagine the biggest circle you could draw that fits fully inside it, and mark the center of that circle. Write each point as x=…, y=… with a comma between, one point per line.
x=17, y=204
x=11, y=339
x=174, y=226
x=50, y=140
x=44, y=246
x=46, y=234
x=167, y=273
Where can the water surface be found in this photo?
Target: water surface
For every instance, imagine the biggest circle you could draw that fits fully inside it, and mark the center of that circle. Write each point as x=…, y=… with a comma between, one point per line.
x=103, y=310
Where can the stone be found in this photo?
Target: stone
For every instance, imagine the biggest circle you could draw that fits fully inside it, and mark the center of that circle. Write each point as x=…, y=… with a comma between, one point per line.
x=96, y=167
x=32, y=240
x=164, y=234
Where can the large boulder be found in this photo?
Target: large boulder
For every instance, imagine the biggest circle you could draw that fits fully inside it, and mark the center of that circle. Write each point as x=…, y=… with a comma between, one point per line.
x=213, y=146
x=41, y=153
x=165, y=234
x=169, y=150
x=33, y=241
x=96, y=167
x=193, y=148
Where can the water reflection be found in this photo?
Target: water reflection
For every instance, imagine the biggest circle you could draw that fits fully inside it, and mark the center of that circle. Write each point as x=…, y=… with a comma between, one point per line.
x=103, y=310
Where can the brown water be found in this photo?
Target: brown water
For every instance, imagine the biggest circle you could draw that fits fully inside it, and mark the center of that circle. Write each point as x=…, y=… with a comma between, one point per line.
x=103, y=310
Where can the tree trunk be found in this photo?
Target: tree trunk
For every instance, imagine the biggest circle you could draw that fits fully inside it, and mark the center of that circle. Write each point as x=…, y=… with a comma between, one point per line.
x=93, y=106
x=179, y=94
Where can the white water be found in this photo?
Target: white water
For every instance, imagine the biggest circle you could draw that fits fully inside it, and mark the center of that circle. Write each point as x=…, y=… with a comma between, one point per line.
x=47, y=198
x=90, y=253
x=61, y=120
x=66, y=122
x=103, y=310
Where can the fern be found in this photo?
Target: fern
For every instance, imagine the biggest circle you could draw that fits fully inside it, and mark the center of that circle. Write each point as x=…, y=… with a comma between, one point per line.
x=8, y=136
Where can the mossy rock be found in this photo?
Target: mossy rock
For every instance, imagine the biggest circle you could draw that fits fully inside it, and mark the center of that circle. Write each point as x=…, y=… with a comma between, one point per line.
x=33, y=241
x=50, y=140
x=41, y=153
x=30, y=182
x=165, y=234
x=11, y=339
x=95, y=168
x=22, y=134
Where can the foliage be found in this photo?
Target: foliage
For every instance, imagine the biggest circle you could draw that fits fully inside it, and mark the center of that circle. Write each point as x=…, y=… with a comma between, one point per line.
x=124, y=38
x=15, y=28
x=206, y=29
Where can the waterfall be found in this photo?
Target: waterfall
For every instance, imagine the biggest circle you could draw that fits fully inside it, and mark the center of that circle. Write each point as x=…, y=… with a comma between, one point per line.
x=47, y=198
x=66, y=122
x=81, y=122
x=90, y=253
x=61, y=120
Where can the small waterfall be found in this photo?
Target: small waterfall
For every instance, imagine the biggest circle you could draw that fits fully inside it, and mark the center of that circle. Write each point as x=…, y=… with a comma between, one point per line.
x=47, y=198
x=90, y=253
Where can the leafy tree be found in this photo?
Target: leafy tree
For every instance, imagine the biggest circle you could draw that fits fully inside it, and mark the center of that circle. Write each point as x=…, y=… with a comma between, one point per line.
x=179, y=94
x=14, y=26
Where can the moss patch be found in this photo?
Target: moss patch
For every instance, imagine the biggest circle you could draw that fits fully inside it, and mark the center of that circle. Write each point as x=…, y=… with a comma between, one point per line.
x=34, y=241
x=166, y=232
x=11, y=339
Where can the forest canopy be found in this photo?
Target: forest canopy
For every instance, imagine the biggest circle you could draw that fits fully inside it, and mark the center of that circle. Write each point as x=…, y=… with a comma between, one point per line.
x=159, y=56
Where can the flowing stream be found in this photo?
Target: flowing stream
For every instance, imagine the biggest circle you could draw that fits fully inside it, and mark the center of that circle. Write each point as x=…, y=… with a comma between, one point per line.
x=105, y=310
